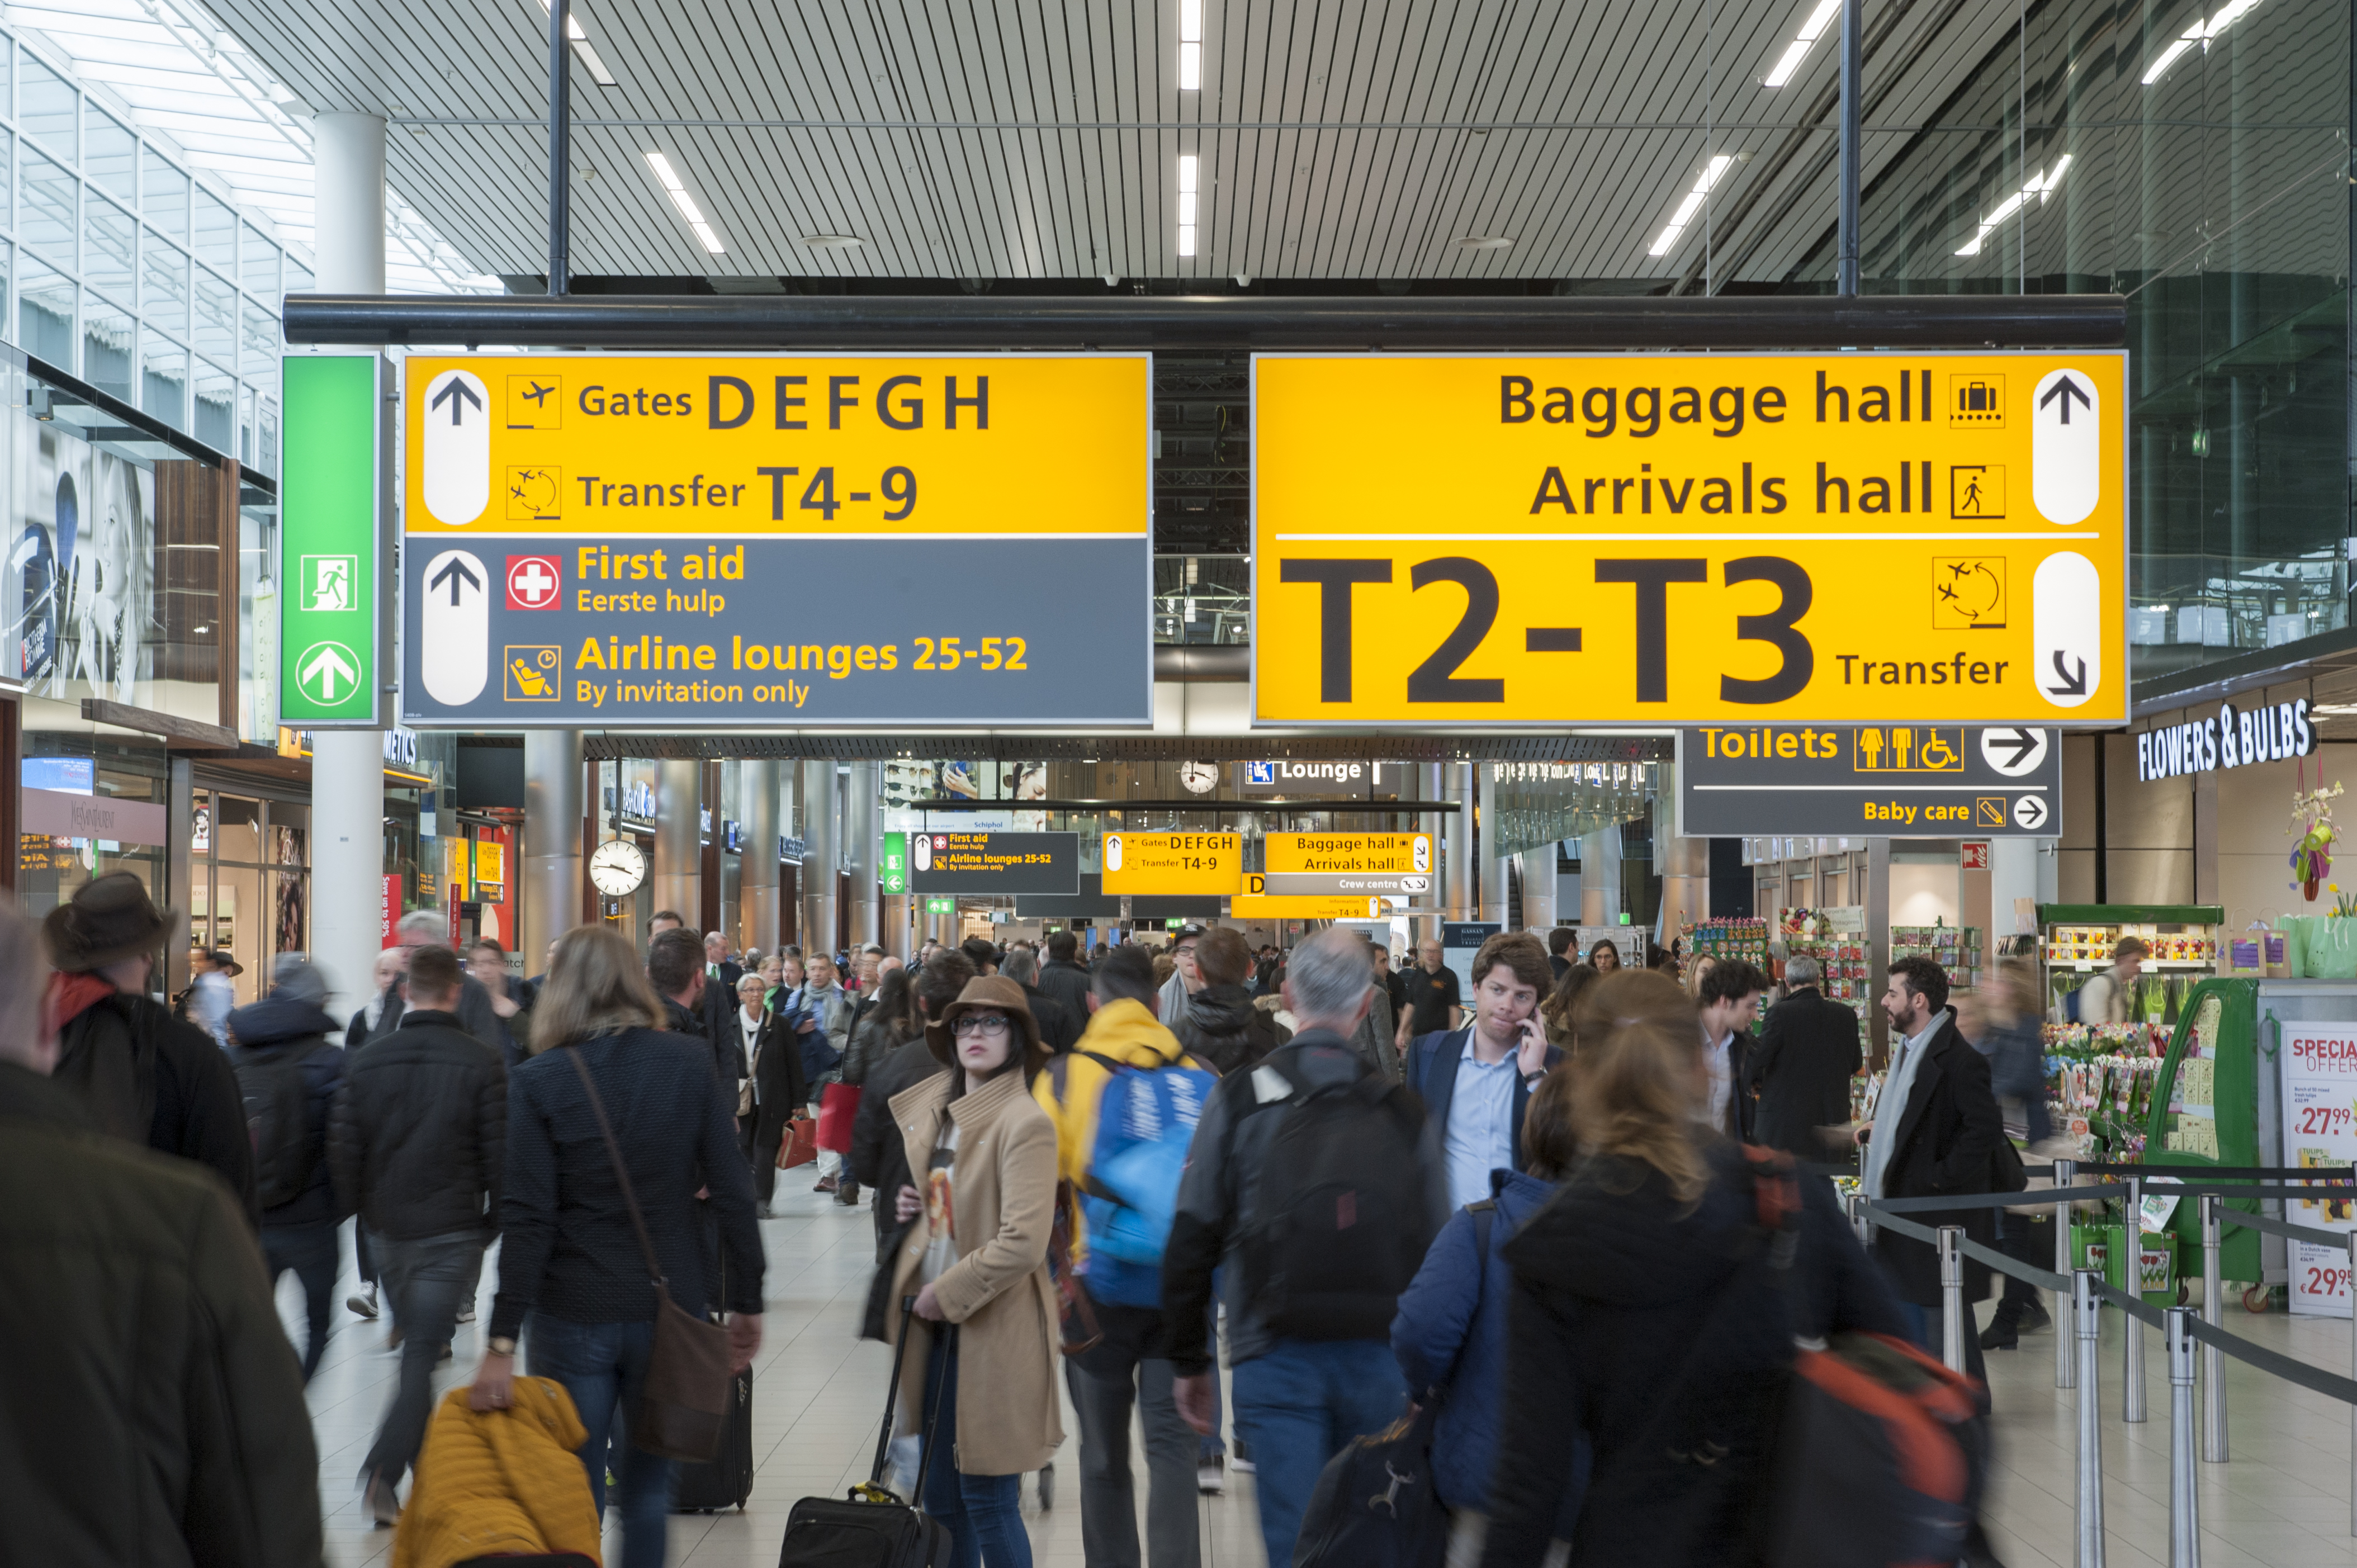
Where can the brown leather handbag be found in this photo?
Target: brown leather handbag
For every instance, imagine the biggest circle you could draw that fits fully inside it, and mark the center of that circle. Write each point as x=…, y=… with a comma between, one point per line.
x=682, y=1410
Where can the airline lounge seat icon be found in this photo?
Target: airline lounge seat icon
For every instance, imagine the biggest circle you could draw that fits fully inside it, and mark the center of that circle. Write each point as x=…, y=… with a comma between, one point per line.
x=533, y=673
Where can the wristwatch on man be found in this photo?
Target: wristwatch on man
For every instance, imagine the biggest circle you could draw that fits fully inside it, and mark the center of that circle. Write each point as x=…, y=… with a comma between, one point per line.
x=501, y=1344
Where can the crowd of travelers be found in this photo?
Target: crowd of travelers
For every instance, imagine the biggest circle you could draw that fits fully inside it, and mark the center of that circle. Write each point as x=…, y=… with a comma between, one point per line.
x=1522, y=1212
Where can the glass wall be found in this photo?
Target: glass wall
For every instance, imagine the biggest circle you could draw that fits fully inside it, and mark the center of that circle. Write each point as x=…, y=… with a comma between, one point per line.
x=130, y=273
x=249, y=882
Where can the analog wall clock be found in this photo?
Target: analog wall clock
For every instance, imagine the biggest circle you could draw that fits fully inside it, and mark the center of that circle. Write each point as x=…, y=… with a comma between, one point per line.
x=1200, y=778
x=617, y=869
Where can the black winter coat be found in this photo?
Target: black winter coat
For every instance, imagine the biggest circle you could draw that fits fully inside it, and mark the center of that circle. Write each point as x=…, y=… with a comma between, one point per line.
x=475, y=1015
x=1948, y=1134
x=879, y=1161
x=1616, y=1287
x=778, y=1087
x=418, y=1134
x=1801, y=1065
x=274, y=1030
x=1224, y=1029
x=151, y=1078
x=1069, y=984
x=1059, y=1027
x=151, y=1408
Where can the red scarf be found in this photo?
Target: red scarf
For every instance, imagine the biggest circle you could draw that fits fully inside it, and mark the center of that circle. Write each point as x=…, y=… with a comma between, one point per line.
x=71, y=996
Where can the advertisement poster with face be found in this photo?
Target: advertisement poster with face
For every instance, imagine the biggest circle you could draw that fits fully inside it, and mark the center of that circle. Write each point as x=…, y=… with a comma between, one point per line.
x=2320, y=1128
x=79, y=590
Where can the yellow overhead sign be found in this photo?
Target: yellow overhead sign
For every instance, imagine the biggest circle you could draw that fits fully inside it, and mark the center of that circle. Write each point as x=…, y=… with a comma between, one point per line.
x=1252, y=904
x=1366, y=853
x=1686, y=539
x=891, y=445
x=1173, y=865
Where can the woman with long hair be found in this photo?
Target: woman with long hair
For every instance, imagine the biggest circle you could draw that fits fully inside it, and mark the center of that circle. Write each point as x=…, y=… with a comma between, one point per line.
x=1559, y=1011
x=977, y=1258
x=1602, y=956
x=570, y=1257
x=1646, y=1315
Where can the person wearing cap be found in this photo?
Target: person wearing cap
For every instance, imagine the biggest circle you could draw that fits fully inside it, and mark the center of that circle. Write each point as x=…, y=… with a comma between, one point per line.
x=1186, y=977
x=209, y=995
x=976, y=1256
x=2109, y=995
x=143, y=1074
x=286, y=1033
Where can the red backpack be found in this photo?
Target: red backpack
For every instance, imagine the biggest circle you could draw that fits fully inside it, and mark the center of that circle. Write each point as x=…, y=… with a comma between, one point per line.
x=1884, y=1452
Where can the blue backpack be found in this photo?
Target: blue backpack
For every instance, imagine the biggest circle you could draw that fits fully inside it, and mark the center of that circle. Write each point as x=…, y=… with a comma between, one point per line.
x=1146, y=1120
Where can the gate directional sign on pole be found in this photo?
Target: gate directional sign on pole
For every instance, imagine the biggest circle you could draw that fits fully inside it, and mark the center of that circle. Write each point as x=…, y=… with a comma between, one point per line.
x=332, y=620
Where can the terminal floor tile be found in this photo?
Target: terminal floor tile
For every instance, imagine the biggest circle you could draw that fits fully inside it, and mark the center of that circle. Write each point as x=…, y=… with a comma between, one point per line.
x=2283, y=1502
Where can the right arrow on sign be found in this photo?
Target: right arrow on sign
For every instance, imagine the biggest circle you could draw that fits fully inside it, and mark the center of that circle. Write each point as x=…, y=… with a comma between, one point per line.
x=2029, y=812
x=2014, y=752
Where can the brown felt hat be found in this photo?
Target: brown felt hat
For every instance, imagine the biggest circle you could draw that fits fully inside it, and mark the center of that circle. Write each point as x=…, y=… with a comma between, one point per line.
x=987, y=991
x=108, y=918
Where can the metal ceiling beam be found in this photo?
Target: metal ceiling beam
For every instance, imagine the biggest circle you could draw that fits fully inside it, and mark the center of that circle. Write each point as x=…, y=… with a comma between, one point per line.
x=1132, y=321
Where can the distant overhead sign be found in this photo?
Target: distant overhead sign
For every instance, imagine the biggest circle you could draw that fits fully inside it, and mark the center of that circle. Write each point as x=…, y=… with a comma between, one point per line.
x=1172, y=865
x=1877, y=780
x=1730, y=538
x=993, y=864
x=654, y=540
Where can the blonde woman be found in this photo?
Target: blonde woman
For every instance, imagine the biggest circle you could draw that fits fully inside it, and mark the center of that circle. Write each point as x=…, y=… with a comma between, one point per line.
x=1644, y=1317
x=569, y=1252
x=977, y=1257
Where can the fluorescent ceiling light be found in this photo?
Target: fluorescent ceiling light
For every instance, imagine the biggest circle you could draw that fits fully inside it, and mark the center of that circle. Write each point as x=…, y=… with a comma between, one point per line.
x=674, y=188
x=1190, y=46
x=1188, y=168
x=1691, y=203
x=2039, y=185
x=2200, y=33
x=1798, y=49
x=582, y=49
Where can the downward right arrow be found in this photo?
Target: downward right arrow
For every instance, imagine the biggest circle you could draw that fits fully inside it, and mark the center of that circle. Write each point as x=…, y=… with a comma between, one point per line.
x=2074, y=682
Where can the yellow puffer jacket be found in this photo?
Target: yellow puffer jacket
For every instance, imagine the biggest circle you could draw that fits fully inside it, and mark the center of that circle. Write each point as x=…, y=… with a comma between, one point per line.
x=1073, y=1086
x=499, y=1482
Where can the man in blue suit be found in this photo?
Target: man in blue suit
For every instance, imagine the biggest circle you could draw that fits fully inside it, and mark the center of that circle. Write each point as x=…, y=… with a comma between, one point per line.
x=1476, y=1081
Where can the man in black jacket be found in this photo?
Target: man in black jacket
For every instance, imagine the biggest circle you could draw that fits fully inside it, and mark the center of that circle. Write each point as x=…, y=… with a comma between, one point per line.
x=780, y=1089
x=1729, y=1002
x=1802, y=1066
x=149, y=1407
x=426, y=929
x=1058, y=1030
x=879, y=1160
x=1222, y=1027
x=140, y=1073
x=675, y=966
x=284, y=1064
x=416, y=1142
x=1062, y=977
x=1936, y=1129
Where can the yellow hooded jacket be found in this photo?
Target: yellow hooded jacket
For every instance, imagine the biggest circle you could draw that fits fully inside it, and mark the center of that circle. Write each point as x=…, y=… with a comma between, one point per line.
x=499, y=1482
x=1071, y=1089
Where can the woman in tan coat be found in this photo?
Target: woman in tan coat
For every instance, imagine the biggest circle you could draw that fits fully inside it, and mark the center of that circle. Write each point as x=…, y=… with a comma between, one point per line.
x=986, y=1156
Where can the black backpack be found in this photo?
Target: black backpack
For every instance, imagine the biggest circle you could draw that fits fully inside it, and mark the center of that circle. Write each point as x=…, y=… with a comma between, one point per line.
x=278, y=1122
x=1342, y=1224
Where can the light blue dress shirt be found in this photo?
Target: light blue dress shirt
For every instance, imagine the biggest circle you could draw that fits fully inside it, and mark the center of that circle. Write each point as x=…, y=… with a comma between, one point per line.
x=1480, y=1135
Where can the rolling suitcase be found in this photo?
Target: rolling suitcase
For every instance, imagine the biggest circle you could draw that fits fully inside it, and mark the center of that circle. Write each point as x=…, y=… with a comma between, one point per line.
x=873, y=1528
x=726, y=1479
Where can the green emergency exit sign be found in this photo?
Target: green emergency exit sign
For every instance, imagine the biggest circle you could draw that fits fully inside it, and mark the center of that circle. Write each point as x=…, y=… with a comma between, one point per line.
x=941, y=905
x=330, y=629
x=892, y=867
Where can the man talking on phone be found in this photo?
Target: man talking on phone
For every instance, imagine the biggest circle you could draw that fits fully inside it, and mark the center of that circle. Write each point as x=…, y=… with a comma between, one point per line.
x=1476, y=1081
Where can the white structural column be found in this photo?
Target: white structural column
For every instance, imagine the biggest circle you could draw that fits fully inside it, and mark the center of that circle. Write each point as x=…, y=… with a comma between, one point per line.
x=1599, y=876
x=678, y=874
x=2013, y=876
x=1683, y=864
x=348, y=766
x=758, y=795
x=862, y=820
x=1493, y=866
x=1459, y=856
x=822, y=839
x=552, y=809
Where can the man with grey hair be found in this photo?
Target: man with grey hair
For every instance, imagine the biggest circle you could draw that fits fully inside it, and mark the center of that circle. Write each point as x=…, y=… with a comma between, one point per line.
x=1807, y=1052
x=1057, y=1028
x=144, y=1345
x=1313, y=1157
x=430, y=928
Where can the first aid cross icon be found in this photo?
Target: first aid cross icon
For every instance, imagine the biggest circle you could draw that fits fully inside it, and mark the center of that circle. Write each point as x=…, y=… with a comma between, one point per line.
x=533, y=582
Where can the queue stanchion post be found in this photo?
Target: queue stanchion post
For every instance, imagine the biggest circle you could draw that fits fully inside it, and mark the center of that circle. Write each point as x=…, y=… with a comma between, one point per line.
x=2213, y=1361
x=2131, y=1326
x=2066, y=1363
x=2086, y=1326
x=1856, y=1204
x=2352, y=1372
x=2184, y=1501
x=1952, y=1297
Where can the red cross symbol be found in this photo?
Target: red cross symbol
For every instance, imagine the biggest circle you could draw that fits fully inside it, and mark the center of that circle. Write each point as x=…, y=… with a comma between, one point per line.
x=533, y=582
